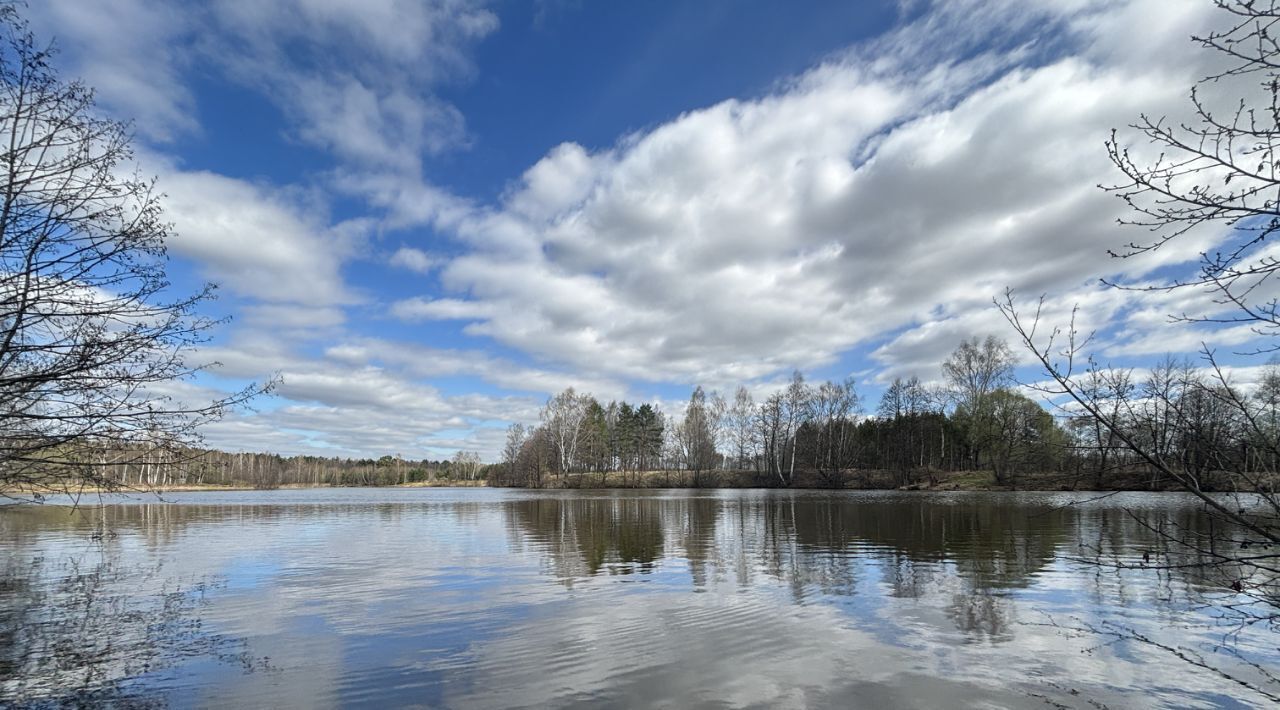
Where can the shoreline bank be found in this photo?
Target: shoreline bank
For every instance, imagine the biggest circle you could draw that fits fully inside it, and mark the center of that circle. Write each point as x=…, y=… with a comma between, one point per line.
x=925, y=482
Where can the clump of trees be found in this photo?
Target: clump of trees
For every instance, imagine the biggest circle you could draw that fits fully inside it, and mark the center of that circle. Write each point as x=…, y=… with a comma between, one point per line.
x=974, y=419
x=579, y=435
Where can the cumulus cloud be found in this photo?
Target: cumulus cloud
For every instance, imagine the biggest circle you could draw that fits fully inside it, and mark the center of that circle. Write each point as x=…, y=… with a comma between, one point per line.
x=361, y=396
x=291, y=317
x=331, y=406
x=355, y=77
x=357, y=81
x=255, y=242
x=427, y=362
x=412, y=259
x=869, y=195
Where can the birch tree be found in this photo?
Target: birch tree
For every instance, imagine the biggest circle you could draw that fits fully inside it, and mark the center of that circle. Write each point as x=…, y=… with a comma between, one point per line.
x=563, y=417
x=742, y=438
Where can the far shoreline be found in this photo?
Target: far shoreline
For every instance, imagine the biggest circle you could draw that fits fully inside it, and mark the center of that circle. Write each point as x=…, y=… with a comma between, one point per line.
x=926, y=482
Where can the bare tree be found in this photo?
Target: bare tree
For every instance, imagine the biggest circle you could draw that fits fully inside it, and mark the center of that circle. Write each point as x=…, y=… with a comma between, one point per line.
x=1107, y=389
x=1220, y=172
x=1189, y=429
x=92, y=341
x=695, y=435
x=904, y=398
x=976, y=370
x=516, y=435
x=1267, y=400
x=901, y=407
x=718, y=421
x=563, y=417
x=832, y=407
x=742, y=439
x=467, y=464
x=770, y=423
x=797, y=400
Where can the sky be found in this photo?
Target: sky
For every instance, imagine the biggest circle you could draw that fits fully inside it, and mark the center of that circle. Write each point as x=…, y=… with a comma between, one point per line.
x=426, y=217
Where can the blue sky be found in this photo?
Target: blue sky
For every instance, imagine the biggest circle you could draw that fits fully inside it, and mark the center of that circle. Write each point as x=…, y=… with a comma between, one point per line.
x=429, y=216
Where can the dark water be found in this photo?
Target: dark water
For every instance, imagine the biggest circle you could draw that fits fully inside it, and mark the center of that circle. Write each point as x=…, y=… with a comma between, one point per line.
x=491, y=598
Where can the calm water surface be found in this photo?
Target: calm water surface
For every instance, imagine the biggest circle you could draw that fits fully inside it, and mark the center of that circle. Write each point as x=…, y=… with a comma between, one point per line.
x=494, y=598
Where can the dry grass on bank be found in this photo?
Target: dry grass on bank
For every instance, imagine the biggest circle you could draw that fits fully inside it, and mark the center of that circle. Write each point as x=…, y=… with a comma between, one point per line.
x=863, y=479
x=441, y=484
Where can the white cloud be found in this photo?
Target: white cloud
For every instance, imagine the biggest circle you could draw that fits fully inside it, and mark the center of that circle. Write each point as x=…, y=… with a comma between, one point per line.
x=418, y=309
x=365, y=396
x=867, y=195
x=289, y=317
x=130, y=52
x=358, y=77
x=556, y=182
x=390, y=129
x=427, y=362
x=255, y=242
x=377, y=110
x=337, y=406
x=413, y=260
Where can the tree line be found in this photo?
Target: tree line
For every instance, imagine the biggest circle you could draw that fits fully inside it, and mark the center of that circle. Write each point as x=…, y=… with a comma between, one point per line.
x=975, y=418
x=135, y=469
x=820, y=431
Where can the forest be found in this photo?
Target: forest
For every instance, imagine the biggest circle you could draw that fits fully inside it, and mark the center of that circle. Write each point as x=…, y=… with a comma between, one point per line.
x=161, y=469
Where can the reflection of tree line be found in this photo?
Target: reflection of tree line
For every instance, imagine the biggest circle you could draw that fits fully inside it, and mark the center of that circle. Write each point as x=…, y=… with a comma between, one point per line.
x=587, y=536
x=976, y=549
x=160, y=523
x=809, y=539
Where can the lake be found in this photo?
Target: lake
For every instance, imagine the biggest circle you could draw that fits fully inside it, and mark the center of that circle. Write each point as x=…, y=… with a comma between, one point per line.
x=481, y=598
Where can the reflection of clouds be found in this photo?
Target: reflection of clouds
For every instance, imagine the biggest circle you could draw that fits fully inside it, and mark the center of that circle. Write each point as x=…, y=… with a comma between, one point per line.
x=678, y=650
x=493, y=598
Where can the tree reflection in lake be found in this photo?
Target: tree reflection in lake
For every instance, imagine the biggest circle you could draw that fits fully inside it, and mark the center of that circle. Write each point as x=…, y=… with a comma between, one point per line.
x=81, y=628
x=587, y=536
x=810, y=541
x=968, y=556
x=476, y=598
